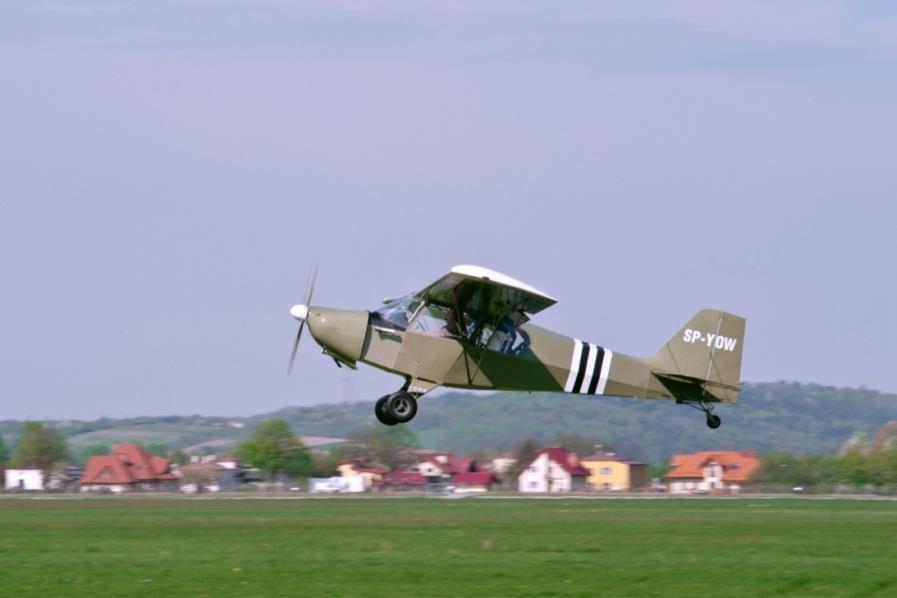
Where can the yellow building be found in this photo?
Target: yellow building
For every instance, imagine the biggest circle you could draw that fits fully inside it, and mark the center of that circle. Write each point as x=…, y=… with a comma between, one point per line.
x=357, y=468
x=609, y=473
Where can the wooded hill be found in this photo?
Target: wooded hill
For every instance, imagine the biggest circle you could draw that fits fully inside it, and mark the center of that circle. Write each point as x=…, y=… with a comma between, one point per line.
x=781, y=416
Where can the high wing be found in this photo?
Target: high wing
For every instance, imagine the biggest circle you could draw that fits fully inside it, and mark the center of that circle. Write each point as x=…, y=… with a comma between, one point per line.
x=486, y=292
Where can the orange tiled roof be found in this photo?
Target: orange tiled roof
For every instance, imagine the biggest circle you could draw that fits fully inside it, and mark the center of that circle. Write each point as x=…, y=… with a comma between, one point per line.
x=128, y=464
x=737, y=466
x=106, y=469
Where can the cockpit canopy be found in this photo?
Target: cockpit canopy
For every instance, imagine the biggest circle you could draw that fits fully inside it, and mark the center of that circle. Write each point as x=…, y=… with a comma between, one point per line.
x=471, y=304
x=496, y=333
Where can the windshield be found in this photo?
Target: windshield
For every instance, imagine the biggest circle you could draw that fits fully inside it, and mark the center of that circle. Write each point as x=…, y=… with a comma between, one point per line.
x=396, y=313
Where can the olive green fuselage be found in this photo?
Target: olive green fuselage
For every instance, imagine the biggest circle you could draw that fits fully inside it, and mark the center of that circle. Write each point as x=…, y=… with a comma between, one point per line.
x=427, y=361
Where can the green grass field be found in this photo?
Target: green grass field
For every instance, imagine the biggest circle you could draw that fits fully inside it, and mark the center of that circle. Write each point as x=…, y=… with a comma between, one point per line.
x=432, y=546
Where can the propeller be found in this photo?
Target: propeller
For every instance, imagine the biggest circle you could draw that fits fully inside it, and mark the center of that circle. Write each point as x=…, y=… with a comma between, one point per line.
x=300, y=312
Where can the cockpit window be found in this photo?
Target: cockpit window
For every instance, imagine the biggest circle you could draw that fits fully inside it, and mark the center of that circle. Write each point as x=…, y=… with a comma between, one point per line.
x=501, y=337
x=504, y=338
x=434, y=320
x=508, y=339
x=396, y=313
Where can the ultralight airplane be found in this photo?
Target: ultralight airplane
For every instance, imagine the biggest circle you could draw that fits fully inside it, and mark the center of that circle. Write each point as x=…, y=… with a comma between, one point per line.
x=470, y=329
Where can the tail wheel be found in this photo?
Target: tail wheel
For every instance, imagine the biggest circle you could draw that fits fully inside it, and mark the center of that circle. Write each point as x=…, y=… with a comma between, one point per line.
x=380, y=412
x=713, y=421
x=400, y=407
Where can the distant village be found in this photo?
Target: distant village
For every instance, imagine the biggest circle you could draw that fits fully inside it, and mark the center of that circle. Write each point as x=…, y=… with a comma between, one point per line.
x=130, y=467
x=387, y=460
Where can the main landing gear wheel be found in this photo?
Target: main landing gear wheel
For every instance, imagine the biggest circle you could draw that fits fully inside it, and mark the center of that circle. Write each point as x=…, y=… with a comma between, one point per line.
x=713, y=421
x=381, y=414
x=397, y=408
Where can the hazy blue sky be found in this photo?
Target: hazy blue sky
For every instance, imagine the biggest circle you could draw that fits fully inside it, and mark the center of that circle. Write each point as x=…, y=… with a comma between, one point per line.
x=170, y=170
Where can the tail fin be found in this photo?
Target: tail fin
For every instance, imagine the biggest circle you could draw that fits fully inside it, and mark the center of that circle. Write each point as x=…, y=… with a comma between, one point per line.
x=703, y=359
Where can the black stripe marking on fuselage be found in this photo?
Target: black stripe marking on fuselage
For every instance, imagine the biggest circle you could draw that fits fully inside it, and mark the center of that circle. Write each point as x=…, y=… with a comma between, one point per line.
x=583, y=361
x=596, y=373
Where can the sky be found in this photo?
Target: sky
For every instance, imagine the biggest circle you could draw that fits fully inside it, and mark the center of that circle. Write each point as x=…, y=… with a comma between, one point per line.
x=170, y=171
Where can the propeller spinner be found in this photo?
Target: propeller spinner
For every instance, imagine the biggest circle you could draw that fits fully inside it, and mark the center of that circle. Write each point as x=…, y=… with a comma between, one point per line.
x=300, y=312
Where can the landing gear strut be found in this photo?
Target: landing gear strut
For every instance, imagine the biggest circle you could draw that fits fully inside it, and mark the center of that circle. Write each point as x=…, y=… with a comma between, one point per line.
x=398, y=408
x=713, y=420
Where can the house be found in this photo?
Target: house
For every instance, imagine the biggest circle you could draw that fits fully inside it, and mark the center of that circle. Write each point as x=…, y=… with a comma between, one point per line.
x=228, y=463
x=24, y=479
x=472, y=482
x=608, y=472
x=502, y=464
x=129, y=467
x=336, y=484
x=208, y=473
x=442, y=465
x=403, y=480
x=356, y=468
x=34, y=480
x=436, y=472
x=553, y=469
x=199, y=477
x=718, y=472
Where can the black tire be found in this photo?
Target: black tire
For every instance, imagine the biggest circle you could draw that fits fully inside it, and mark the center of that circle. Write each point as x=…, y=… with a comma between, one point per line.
x=713, y=421
x=400, y=407
x=380, y=412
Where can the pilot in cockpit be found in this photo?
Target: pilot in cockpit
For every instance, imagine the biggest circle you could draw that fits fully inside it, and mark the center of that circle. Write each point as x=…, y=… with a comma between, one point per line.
x=451, y=328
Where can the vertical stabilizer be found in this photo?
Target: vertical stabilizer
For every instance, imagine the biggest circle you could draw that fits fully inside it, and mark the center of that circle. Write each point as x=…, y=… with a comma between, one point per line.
x=705, y=354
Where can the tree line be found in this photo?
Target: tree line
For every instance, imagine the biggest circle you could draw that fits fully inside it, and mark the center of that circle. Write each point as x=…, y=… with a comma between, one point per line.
x=870, y=470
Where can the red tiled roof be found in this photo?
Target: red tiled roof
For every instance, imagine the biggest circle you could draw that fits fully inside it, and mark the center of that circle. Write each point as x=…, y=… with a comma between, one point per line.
x=566, y=459
x=404, y=478
x=450, y=464
x=473, y=478
x=106, y=469
x=128, y=464
x=737, y=466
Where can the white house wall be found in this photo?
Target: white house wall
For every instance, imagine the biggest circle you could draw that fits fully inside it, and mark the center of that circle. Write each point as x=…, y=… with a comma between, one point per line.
x=470, y=489
x=699, y=486
x=426, y=468
x=24, y=479
x=113, y=488
x=544, y=475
